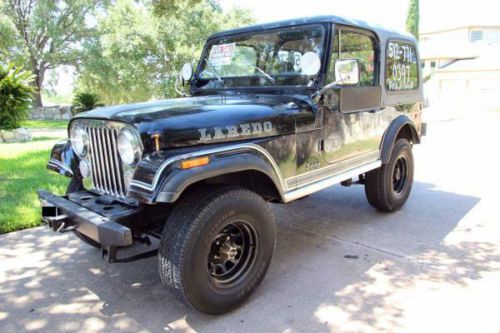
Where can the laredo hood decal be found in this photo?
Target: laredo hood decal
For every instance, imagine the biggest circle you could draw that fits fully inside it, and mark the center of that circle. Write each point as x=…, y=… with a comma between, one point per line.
x=209, y=119
x=236, y=131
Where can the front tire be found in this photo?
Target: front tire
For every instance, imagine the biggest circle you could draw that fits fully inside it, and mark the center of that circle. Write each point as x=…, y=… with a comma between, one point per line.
x=388, y=187
x=216, y=247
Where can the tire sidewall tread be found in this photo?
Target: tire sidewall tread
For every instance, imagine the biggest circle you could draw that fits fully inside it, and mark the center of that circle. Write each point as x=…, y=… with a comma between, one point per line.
x=197, y=216
x=378, y=185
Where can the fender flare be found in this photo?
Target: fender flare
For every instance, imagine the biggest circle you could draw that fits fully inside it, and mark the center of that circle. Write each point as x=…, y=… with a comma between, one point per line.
x=63, y=159
x=172, y=180
x=391, y=134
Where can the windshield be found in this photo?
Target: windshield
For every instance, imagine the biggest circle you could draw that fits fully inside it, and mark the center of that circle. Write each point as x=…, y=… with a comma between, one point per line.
x=267, y=58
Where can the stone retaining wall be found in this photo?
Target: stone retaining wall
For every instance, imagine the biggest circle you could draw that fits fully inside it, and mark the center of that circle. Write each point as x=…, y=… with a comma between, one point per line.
x=51, y=113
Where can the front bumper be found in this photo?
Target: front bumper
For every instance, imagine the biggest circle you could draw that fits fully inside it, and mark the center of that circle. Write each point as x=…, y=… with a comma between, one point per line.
x=73, y=213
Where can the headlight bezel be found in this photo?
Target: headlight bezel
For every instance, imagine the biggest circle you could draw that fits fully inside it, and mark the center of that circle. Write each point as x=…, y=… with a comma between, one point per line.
x=129, y=147
x=79, y=139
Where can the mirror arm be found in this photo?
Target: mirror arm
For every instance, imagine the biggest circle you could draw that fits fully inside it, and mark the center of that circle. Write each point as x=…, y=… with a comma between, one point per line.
x=322, y=91
x=176, y=86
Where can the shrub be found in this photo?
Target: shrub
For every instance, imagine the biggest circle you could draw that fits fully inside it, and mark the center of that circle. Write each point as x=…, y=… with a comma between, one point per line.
x=85, y=102
x=16, y=96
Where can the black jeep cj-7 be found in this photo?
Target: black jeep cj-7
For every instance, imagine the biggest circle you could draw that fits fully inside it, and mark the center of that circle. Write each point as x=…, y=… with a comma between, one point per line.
x=276, y=112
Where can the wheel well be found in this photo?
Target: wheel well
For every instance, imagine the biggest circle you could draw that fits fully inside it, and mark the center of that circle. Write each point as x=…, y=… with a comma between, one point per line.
x=253, y=180
x=408, y=132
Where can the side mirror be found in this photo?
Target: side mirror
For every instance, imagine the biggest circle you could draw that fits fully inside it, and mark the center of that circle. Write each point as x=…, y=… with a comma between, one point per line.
x=187, y=71
x=347, y=72
x=184, y=76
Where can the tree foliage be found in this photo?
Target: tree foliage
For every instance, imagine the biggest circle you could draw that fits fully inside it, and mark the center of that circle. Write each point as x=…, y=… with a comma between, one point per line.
x=125, y=50
x=15, y=95
x=120, y=63
x=413, y=18
x=85, y=102
x=141, y=46
x=45, y=33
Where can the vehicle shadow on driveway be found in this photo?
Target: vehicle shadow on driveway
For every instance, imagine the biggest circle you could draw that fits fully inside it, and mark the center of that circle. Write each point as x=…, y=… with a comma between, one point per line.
x=338, y=265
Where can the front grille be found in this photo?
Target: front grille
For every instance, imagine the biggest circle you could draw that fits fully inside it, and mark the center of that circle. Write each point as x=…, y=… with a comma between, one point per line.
x=107, y=174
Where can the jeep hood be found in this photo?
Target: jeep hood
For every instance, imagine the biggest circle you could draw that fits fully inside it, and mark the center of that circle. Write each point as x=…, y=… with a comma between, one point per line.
x=209, y=119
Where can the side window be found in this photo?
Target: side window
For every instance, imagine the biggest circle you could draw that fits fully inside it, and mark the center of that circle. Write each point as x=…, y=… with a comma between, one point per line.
x=401, y=67
x=349, y=44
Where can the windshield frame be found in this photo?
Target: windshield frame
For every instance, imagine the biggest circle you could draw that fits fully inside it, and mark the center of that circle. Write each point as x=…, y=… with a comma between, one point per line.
x=318, y=78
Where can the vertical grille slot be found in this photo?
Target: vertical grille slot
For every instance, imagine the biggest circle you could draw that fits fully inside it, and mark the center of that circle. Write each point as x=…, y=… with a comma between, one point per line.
x=105, y=164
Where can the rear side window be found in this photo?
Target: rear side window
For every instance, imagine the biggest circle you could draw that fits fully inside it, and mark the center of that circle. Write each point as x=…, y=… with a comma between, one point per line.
x=353, y=44
x=401, y=67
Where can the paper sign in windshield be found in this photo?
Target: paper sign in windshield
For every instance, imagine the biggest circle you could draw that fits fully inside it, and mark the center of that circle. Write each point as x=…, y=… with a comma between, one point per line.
x=221, y=54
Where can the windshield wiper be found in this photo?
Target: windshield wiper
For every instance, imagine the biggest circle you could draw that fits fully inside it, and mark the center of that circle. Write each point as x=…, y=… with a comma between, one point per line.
x=264, y=74
x=214, y=71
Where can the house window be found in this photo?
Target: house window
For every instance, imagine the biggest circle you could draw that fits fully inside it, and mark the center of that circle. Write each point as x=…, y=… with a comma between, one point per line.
x=433, y=64
x=476, y=36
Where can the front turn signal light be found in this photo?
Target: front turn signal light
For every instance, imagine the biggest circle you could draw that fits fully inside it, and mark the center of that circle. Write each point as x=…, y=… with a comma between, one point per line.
x=195, y=162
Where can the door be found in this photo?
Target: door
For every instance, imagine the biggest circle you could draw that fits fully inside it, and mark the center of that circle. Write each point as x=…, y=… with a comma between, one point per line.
x=350, y=131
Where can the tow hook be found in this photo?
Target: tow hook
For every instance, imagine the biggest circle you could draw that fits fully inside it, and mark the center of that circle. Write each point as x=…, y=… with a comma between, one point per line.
x=58, y=223
x=62, y=228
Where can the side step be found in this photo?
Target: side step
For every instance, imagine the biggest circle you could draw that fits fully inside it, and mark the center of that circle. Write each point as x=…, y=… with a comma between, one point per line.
x=329, y=181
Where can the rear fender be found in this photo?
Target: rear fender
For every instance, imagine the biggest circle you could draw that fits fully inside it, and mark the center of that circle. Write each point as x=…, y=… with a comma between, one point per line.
x=392, y=133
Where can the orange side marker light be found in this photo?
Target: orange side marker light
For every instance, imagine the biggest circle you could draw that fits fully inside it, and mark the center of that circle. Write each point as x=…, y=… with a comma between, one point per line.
x=195, y=162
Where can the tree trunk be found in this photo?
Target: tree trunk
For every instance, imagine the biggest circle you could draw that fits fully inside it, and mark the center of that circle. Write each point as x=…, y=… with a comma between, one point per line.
x=37, y=95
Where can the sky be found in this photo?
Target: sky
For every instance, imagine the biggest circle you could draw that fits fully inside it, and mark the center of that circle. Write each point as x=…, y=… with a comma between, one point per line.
x=434, y=15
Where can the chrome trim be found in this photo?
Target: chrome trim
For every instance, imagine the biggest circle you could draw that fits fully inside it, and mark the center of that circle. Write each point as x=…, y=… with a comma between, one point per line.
x=109, y=163
x=287, y=195
x=166, y=163
x=322, y=184
x=58, y=164
x=309, y=177
x=103, y=158
x=114, y=147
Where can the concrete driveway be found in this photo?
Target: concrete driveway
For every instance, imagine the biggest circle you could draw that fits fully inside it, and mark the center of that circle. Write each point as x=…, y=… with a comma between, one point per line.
x=340, y=266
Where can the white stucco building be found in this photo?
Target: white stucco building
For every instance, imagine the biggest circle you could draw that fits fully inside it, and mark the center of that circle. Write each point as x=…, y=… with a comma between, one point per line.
x=462, y=66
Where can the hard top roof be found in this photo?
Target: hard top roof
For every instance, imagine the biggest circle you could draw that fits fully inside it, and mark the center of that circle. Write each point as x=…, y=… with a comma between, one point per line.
x=383, y=33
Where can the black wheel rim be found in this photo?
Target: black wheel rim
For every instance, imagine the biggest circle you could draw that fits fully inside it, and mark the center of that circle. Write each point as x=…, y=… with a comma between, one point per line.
x=400, y=175
x=232, y=253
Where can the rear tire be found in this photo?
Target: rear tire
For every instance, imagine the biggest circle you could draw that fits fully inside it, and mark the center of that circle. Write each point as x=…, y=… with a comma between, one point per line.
x=216, y=247
x=388, y=187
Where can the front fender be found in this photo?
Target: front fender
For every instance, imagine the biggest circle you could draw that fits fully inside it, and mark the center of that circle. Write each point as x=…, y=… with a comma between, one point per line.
x=63, y=159
x=165, y=182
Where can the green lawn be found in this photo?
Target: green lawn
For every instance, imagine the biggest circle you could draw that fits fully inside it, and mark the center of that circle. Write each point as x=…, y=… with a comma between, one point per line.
x=52, y=124
x=22, y=172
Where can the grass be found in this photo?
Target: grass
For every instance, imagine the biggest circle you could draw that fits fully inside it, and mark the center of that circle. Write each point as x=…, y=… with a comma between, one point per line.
x=22, y=172
x=52, y=124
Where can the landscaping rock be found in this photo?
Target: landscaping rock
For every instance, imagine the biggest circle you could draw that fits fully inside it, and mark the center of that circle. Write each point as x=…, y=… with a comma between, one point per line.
x=17, y=135
x=51, y=113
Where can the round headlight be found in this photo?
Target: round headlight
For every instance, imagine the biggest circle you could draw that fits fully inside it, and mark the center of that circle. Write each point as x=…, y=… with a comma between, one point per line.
x=79, y=140
x=128, y=147
x=84, y=168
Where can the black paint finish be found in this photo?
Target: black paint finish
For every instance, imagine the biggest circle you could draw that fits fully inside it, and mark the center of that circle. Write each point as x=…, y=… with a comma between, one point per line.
x=182, y=122
x=63, y=153
x=347, y=125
